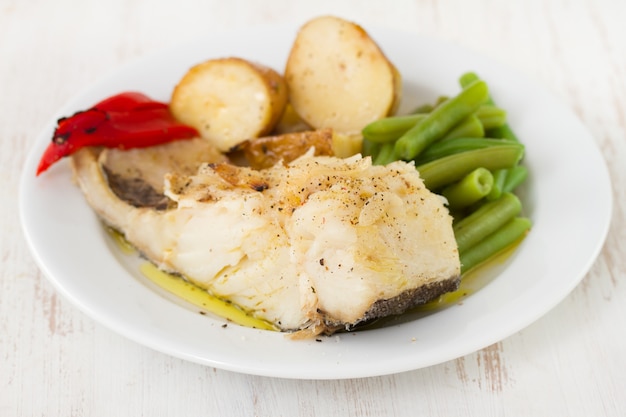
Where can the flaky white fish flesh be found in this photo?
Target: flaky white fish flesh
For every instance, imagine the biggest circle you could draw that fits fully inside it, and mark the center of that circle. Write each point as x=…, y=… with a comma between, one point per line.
x=314, y=246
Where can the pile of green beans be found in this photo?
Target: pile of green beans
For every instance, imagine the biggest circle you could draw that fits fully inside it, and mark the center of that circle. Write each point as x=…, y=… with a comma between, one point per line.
x=465, y=150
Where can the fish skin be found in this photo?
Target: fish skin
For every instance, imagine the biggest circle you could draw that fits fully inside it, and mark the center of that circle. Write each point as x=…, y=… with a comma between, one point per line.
x=320, y=245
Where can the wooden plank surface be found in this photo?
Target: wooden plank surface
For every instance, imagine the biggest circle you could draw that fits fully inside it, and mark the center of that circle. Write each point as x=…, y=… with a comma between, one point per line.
x=56, y=361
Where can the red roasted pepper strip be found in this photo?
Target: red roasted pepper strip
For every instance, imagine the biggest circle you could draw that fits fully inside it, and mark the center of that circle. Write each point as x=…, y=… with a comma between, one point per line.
x=129, y=101
x=124, y=121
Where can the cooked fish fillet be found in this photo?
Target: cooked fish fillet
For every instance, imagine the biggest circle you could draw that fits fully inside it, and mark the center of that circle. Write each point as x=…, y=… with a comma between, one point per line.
x=315, y=246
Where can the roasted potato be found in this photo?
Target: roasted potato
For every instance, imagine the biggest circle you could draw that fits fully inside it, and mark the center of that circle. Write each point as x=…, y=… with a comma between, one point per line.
x=229, y=100
x=267, y=151
x=345, y=145
x=338, y=77
x=290, y=122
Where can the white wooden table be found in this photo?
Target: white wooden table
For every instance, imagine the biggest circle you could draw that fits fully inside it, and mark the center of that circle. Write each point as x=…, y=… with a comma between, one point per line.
x=54, y=361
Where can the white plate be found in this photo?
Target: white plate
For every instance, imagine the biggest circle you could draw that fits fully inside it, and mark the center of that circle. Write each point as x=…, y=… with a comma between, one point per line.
x=567, y=196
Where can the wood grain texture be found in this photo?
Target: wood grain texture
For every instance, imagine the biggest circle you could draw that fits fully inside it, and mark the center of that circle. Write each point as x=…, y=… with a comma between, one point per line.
x=56, y=361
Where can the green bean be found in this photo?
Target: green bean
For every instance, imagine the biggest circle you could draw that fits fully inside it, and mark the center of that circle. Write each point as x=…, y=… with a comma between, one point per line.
x=470, y=77
x=475, y=125
x=449, y=147
x=386, y=154
x=485, y=220
x=369, y=148
x=501, y=239
x=470, y=127
x=443, y=118
x=441, y=99
x=515, y=177
x=427, y=108
x=390, y=128
x=499, y=177
x=424, y=108
x=494, y=128
x=474, y=186
x=501, y=132
x=452, y=168
x=491, y=117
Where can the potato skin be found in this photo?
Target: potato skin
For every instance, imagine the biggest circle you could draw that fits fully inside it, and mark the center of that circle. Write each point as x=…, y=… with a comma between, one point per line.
x=265, y=152
x=229, y=100
x=338, y=77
